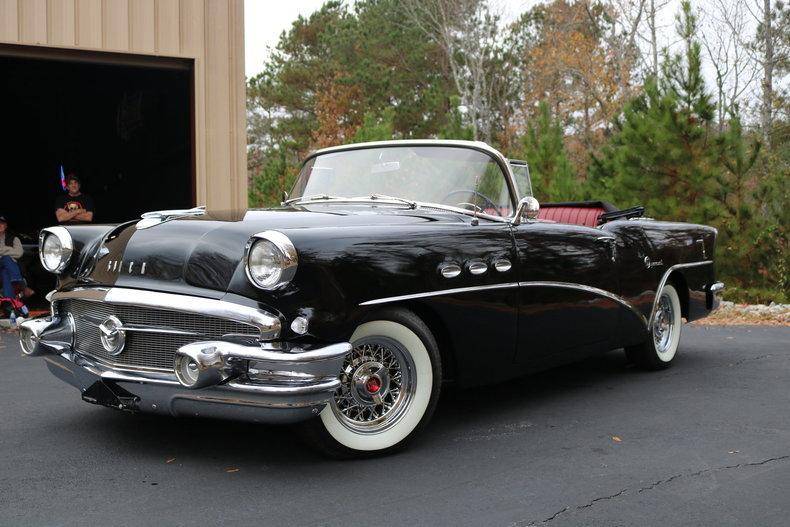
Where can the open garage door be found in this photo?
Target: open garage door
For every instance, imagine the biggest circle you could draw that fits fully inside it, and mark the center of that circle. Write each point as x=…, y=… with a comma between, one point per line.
x=125, y=130
x=122, y=123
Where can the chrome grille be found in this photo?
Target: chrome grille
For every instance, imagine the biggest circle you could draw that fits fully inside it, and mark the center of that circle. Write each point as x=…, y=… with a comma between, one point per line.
x=144, y=350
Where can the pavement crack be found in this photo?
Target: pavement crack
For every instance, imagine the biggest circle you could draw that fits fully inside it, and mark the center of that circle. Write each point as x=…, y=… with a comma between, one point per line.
x=578, y=507
x=601, y=499
x=709, y=470
x=651, y=487
x=561, y=511
x=749, y=359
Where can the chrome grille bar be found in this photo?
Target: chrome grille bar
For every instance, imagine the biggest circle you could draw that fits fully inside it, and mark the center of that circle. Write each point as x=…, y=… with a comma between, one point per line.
x=153, y=332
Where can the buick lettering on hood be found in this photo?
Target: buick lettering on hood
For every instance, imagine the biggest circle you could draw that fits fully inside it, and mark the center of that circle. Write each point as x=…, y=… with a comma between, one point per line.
x=393, y=268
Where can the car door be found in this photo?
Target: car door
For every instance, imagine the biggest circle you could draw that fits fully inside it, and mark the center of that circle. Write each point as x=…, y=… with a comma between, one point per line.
x=568, y=303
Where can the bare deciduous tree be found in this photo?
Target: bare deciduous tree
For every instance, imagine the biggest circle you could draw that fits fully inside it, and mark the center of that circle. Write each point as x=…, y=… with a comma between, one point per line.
x=724, y=24
x=641, y=21
x=468, y=33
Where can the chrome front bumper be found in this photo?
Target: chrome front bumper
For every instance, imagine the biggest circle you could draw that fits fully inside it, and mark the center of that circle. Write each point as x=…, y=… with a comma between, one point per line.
x=274, y=382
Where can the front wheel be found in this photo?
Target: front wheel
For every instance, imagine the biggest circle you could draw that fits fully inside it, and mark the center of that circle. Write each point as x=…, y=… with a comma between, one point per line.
x=390, y=385
x=662, y=346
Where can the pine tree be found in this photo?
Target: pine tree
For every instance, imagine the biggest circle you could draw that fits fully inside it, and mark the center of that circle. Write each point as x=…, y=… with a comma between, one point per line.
x=553, y=177
x=662, y=154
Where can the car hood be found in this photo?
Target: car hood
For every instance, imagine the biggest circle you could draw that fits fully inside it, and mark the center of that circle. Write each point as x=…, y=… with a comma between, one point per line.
x=205, y=252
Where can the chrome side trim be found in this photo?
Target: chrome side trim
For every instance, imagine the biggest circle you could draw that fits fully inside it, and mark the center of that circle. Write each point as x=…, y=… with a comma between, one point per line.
x=510, y=285
x=589, y=289
x=441, y=292
x=665, y=277
x=268, y=324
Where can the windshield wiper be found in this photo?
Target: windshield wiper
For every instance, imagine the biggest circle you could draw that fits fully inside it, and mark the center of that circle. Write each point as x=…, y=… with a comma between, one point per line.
x=314, y=197
x=411, y=204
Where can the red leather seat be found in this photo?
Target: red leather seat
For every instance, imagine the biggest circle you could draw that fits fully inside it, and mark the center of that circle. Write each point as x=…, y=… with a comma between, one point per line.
x=586, y=216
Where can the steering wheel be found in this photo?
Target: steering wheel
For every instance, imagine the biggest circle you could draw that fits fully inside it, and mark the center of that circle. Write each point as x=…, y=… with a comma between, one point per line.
x=473, y=192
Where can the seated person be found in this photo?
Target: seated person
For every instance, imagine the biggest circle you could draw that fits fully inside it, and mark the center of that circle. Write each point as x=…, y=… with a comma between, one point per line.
x=74, y=206
x=10, y=251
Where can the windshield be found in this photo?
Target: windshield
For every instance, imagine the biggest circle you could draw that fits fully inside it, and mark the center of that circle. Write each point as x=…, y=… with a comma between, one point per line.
x=454, y=176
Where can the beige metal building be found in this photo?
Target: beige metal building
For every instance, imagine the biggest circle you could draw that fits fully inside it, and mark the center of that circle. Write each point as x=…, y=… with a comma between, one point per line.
x=129, y=94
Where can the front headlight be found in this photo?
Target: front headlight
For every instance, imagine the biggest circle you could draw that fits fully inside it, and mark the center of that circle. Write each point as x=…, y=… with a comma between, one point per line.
x=270, y=260
x=55, y=249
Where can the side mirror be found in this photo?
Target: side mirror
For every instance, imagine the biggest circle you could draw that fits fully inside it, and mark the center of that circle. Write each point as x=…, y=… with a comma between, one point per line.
x=528, y=208
x=285, y=198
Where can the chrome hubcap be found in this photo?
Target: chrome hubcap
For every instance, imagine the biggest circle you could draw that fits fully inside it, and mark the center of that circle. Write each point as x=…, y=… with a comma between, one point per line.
x=664, y=324
x=377, y=385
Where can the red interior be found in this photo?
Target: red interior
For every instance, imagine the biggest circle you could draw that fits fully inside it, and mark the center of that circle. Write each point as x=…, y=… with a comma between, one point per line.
x=587, y=216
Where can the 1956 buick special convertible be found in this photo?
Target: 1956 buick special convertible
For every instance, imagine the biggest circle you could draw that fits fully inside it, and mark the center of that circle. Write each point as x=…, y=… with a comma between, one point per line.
x=394, y=266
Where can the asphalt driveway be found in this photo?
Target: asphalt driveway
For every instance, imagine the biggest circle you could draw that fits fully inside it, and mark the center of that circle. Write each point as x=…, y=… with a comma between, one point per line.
x=706, y=442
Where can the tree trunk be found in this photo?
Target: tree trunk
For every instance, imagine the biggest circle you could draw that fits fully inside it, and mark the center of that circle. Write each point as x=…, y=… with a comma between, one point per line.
x=653, y=39
x=768, y=72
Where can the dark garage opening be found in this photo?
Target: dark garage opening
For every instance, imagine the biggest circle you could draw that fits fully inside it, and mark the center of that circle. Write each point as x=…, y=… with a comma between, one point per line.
x=124, y=128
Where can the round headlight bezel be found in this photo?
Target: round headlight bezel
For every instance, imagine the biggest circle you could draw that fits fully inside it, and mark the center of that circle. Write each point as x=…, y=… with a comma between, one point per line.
x=62, y=235
x=286, y=253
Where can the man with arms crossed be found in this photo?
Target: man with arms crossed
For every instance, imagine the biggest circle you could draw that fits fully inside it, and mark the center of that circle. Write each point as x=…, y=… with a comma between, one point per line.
x=73, y=207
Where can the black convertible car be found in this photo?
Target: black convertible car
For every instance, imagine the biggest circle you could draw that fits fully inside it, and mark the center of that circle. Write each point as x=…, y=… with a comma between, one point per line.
x=393, y=267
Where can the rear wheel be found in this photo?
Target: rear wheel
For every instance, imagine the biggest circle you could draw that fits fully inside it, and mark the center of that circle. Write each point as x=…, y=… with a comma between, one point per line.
x=390, y=385
x=660, y=349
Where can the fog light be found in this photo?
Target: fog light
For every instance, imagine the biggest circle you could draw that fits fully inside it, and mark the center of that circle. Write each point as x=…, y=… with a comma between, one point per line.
x=299, y=325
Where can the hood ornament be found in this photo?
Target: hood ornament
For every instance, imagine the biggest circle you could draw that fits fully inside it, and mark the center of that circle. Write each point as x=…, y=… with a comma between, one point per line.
x=149, y=219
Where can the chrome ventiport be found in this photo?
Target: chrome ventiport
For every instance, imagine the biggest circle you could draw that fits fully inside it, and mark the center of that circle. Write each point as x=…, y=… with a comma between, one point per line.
x=450, y=270
x=503, y=265
x=477, y=267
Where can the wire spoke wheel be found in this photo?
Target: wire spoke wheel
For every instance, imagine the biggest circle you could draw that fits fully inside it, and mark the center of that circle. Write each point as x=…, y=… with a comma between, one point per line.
x=663, y=324
x=377, y=385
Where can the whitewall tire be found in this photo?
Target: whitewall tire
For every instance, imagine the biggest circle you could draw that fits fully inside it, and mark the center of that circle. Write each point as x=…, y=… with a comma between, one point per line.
x=660, y=349
x=390, y=386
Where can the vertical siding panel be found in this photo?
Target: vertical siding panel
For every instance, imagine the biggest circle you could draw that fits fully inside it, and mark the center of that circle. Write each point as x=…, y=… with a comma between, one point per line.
x=218, y=158
x=9, y=20
x=115, y=25
x=33, y=21
x=238, y=97
x=192, y=28
x=61, y=22
x=142, y=26
x=89, y=23
x=168, y=30
x=192, y=44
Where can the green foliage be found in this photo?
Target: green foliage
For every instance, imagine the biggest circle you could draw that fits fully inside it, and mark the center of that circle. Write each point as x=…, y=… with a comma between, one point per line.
x=553, y=177
x=455, y=127
x=376, y=128
x=661, y=154
x=266, y=188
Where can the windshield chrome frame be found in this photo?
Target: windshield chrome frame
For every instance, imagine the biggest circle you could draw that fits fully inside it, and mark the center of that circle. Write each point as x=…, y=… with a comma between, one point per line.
x=480, y=146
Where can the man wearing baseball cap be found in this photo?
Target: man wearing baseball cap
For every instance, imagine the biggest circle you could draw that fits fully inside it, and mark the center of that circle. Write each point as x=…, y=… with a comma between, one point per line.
x=74, y=206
